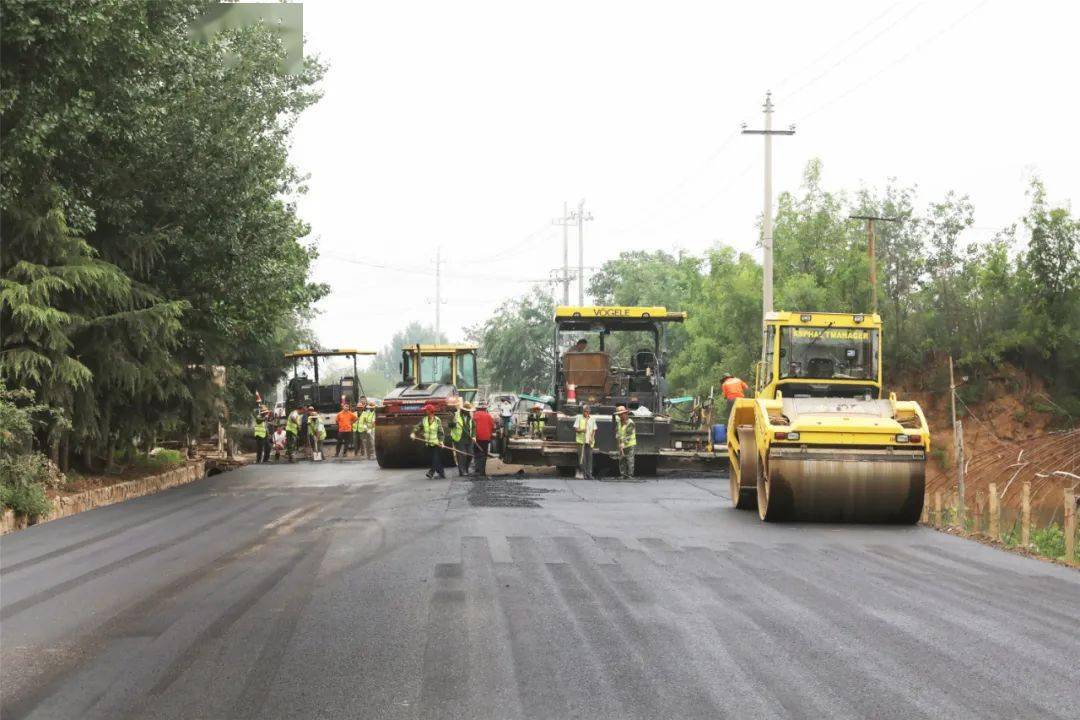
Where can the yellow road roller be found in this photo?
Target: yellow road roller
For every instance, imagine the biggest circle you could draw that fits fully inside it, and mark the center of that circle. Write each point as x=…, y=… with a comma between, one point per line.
x=818, y=441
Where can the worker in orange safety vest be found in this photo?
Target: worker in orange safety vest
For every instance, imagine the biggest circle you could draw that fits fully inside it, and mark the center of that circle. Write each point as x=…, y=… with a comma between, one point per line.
x=733, y=389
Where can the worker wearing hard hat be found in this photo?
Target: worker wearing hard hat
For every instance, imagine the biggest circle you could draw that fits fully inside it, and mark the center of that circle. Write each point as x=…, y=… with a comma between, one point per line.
x=430, y=431
x=585, y=435
x=484, y=427
x=626, y=438
x=365, y=430
x=462, y=433
x=733, y=389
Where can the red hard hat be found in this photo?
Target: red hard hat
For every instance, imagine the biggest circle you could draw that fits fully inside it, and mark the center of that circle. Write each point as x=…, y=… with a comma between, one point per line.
x=429, y=408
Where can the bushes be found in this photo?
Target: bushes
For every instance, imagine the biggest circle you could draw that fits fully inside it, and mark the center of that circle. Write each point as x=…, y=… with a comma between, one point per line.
x=22, y=483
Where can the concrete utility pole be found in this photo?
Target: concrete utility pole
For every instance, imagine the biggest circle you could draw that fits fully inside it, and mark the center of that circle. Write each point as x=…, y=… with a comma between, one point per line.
x=581, y=216
x=565, y=222
x=438, y=291
x=870, y=251
x=767, y=220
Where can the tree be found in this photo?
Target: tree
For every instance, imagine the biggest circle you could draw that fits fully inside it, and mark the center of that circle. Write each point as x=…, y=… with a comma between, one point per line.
x=388, y=362
x=651, y=278
x=517, y=343
x=145, y=207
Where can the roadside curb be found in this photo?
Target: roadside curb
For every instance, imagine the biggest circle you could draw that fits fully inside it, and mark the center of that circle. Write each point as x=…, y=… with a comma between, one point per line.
x=100, y=497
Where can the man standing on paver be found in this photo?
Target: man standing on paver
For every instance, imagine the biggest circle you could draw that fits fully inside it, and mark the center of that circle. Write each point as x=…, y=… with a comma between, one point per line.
x=585, y=434
x=626, y=435
x=733, y=389
x=430, y=431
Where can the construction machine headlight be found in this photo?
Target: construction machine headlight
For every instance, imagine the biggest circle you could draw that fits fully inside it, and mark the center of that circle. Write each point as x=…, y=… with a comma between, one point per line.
x=858, y=318
x=787, y=436
x=909, y=438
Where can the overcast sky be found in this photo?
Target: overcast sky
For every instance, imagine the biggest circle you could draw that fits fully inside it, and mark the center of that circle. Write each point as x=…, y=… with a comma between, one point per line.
x=467, y=125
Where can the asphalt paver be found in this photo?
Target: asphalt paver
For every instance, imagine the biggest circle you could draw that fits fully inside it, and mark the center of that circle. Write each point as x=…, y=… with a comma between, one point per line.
x=339, y=590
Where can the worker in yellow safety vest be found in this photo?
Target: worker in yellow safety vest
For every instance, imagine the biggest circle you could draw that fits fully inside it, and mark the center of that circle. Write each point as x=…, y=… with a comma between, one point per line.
x=292, y=433
x=365, y=431
x=262, y=437
x=585, y=435
x=430, y=431
x=536, y=421
x=626, y=435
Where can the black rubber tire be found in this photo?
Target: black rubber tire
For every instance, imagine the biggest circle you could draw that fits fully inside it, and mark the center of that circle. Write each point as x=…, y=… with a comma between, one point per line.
x=744, y=497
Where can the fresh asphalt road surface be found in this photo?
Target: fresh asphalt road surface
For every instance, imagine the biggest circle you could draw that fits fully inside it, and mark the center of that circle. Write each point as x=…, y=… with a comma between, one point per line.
x=338, y=590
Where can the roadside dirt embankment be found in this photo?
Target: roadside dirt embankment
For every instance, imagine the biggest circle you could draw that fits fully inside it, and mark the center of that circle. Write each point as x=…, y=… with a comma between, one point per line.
x=1009, y=438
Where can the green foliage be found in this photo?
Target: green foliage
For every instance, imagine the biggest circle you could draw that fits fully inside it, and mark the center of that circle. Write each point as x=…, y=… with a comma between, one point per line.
x=22, y=484
x=148, y=229
x=516, y=342
x=387, y=362
x=1049, y=541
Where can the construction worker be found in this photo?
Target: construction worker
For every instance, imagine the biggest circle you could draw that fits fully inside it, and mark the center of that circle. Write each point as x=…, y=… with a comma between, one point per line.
x=430, y=431
x=366, y=436
x=506, y=414
x=484, y=426
x=316, y=433
x=345, y=420
x=463, y=434
x=626, y=436
x=585, y=434
x=733, y=389
x=262, y=438
x=281, y=440
x=457, y=432
x=292, y=433
x=536, y=421
x=580, y=346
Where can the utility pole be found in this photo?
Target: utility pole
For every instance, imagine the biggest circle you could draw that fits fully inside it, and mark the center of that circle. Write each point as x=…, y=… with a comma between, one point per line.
x=958, y=446
x=870, y=252
x=581, y=216
x=767, y=220
x=438, y=291
x=565, y=222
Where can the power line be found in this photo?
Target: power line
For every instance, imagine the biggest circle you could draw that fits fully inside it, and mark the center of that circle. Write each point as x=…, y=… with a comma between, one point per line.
x=839, y=45
x=897, y=61
x=851, y=54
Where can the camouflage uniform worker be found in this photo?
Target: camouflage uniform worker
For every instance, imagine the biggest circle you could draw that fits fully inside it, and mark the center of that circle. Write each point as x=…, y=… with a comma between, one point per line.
x=626, y=434
x=364, y=430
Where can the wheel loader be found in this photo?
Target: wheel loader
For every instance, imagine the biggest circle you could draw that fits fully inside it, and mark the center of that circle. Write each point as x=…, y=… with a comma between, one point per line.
x=430, y=375
x=819, y=442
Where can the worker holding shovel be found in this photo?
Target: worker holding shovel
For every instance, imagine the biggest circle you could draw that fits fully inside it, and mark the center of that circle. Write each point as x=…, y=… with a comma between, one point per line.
x=585, y=434
x=430, y=431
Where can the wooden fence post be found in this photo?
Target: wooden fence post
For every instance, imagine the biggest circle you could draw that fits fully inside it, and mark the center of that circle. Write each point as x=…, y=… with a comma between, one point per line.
x=925, y=518
x=995, y=513
x=938, y=520
x=978, y=512
x=1070, y=527
x=1025, y=515
x=956, y=509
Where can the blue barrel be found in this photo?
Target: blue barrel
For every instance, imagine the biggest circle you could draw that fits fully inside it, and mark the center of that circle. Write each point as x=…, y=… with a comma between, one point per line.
x=719, y=434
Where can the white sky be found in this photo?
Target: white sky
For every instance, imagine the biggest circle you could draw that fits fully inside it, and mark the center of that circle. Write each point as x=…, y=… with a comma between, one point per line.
x=468, y=124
